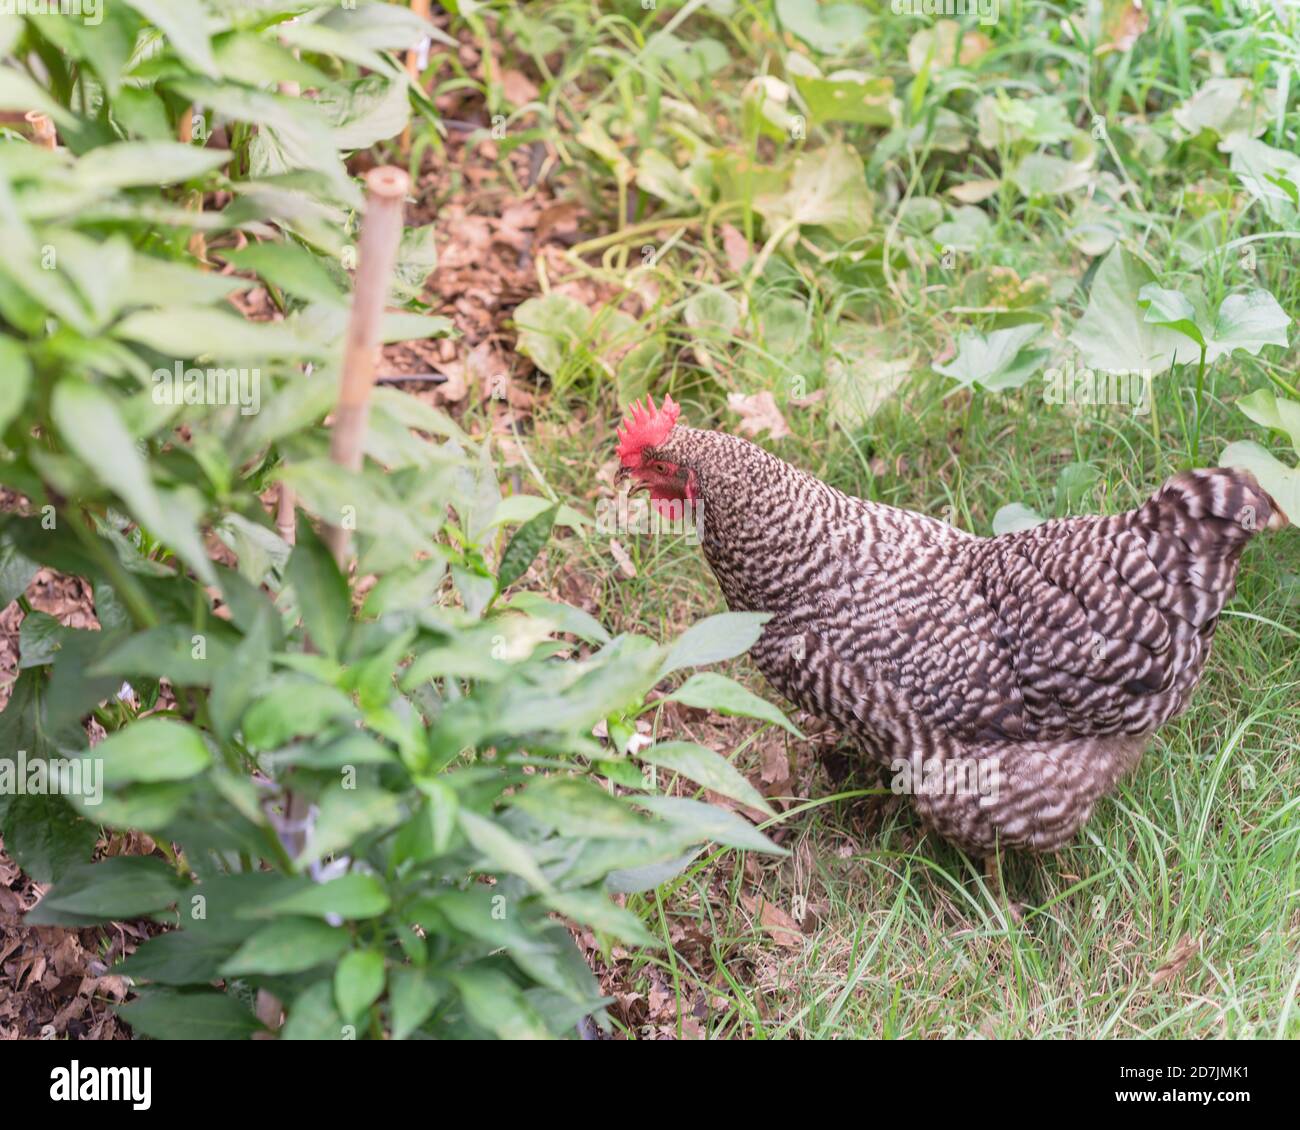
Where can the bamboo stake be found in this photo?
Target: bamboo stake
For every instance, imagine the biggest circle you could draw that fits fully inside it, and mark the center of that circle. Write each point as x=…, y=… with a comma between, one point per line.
x=43, y=133
x=285, y=520
x=197, y=244
x=381, y=229
x=285, y=515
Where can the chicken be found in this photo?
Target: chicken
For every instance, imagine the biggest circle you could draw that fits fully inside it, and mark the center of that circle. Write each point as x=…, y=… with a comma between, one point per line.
x=1008, y=682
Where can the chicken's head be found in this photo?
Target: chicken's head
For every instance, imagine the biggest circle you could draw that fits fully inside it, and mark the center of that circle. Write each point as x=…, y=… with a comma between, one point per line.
x=644, y=430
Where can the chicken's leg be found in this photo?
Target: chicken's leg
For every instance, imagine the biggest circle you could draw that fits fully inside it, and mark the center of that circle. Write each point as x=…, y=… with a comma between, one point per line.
x=993, y=874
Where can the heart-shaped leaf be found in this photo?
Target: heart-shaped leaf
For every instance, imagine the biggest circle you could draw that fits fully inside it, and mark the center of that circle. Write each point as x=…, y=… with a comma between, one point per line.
x=832, y=29
x=998, y=360
x=1274, y=412
x=827, y=189
x=1113, y=333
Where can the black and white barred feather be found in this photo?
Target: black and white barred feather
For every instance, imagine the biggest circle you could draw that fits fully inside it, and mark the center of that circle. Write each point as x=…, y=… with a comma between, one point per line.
x=1049, y=655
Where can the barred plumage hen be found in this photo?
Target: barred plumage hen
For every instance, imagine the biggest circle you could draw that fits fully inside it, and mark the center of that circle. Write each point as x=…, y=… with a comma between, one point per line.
x=1041, y=660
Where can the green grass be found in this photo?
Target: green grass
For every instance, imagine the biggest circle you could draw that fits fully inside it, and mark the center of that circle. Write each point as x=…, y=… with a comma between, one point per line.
x=1197, y=856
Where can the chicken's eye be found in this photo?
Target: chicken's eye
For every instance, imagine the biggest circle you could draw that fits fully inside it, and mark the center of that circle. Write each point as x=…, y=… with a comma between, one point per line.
x=661, y=468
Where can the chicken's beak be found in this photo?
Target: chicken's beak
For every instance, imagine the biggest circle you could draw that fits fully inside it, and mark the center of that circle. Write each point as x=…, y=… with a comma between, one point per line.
x=626, y=480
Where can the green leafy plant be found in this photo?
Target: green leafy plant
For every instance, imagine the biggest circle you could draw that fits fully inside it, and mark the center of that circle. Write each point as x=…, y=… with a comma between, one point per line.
x=377, y=798
x=436, y=750
x=1248, y=321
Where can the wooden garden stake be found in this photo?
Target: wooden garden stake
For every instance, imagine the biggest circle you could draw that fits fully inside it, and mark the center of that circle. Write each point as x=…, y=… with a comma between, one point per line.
x=197, y=244
x=285, y=519
x=42, y=129
x=381, y=230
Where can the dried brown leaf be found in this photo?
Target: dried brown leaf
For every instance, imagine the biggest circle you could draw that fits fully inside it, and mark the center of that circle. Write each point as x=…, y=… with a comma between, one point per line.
x=1183, y=952
x=758, y=413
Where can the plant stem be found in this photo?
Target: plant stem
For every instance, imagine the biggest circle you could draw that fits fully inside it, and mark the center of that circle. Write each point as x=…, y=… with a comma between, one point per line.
x=648, y=227
x=765, y=253
x=137, y=603
x=1200, y=404
x=422, y=9
x=1155, y=416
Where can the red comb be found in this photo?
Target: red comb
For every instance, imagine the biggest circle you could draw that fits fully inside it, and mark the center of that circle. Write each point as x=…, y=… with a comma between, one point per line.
x=646, y=426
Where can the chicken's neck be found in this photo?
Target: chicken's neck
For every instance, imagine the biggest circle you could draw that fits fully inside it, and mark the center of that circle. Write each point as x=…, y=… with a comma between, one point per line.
x=763, y=523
